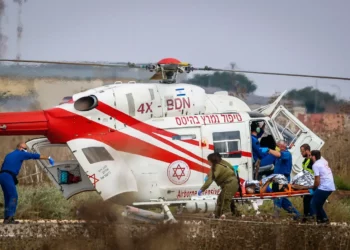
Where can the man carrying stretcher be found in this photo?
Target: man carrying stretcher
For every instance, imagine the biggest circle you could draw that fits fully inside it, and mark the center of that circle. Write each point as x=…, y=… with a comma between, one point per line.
x=283, y=166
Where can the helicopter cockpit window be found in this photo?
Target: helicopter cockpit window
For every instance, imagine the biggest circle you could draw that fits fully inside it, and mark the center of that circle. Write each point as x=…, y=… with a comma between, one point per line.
x=97, y=154
x=86, y=103
x=228, y=144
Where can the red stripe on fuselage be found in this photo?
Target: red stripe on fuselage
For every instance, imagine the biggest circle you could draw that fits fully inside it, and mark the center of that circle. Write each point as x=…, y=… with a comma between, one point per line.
x=153, y=131
x=147, y=129
x=65, y=126
x=243, y=153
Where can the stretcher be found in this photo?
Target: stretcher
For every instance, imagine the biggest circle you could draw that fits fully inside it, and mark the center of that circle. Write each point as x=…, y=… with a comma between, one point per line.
x=290, y=193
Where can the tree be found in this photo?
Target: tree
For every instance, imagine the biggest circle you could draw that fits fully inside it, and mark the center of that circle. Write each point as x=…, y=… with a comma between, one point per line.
x=228, y=81
x=314, y=100
x=3, y=97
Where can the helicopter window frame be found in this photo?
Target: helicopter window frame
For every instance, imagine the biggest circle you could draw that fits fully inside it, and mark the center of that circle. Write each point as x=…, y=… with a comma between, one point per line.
x=286, y=130
x=97, y=154
x=231, y=140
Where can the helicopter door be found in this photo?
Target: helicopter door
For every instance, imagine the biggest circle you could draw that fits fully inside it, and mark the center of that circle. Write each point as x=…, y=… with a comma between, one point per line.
x=296, y=134
x=105, y=167
x=65, y=166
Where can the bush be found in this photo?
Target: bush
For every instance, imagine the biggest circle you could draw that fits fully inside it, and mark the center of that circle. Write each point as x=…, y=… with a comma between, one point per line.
x=45, y=201
x=342, y=183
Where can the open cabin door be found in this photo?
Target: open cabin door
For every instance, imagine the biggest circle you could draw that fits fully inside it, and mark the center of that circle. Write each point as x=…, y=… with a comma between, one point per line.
x=296, y=134
x=65, y=163
x=105, y=167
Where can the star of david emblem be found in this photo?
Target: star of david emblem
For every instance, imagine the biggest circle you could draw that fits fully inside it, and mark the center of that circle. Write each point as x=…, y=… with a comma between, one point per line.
x=177, y=170
x=95, y=180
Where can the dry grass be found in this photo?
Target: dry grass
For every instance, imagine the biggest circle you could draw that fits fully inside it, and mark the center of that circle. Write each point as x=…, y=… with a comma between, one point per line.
x=336, y=151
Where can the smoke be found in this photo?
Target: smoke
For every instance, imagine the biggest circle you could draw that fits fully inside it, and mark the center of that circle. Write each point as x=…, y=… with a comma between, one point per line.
x=50, y=92
x=3, y=38
x=19, y=27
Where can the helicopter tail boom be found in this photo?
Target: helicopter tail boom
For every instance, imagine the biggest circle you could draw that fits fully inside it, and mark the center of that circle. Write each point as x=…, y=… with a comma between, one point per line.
x=23, y=123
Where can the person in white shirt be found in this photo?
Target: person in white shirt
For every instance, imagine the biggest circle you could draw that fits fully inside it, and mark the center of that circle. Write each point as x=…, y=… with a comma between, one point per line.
x=323, y=185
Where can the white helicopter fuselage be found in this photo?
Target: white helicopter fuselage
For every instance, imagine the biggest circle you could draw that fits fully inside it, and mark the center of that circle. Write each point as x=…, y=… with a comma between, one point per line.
x=152, y=140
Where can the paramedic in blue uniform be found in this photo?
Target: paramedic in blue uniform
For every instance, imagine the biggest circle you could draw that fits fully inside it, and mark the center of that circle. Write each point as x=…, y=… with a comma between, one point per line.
x=283, y=165
x=259, y=152
x=8, y=178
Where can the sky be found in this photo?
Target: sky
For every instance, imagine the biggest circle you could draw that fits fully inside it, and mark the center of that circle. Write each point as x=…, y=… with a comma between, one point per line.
x=303, y=37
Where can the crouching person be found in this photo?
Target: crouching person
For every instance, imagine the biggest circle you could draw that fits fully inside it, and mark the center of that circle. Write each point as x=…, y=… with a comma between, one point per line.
x=222, y=173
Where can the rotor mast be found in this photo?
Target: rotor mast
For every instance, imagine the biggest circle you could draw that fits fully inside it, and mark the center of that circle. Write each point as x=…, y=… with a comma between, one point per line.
x=167, y=70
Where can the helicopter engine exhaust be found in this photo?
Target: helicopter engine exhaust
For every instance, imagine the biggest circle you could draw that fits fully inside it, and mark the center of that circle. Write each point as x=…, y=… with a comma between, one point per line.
x=23, y=123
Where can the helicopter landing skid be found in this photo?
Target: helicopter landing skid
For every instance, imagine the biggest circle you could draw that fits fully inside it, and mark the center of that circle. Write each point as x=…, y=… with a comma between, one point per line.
x=148, y=216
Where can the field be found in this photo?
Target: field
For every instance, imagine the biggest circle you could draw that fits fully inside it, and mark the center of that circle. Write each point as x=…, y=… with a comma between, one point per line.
x=39, y=199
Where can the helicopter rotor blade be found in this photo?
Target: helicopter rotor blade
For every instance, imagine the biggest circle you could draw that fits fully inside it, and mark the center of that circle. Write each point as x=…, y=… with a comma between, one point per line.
x=118, y=64
x=188, y=68
x=206, y=68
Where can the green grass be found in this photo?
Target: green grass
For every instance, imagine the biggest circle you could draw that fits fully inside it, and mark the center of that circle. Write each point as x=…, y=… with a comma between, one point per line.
x=45, y=201
x=337, y=208
x=342, y=183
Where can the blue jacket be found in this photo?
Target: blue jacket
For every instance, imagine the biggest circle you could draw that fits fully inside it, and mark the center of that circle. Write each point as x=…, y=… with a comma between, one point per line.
x=283, y=164
x=257, y=154
x=13, y=161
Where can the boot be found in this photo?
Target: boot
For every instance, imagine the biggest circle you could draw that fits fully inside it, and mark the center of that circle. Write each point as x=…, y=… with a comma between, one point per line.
x=323, y=221
x=10, y=220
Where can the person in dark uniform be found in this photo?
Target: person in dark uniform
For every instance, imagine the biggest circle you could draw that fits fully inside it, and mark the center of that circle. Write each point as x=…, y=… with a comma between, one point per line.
x=305, y=151
x=259, y=153
x=8, y=178
x=224, y=176
x=283, y=165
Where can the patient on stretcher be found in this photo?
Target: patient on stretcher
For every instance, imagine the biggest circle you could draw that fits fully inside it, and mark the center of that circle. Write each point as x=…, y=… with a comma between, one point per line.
x=271, y=183
x=278, y=183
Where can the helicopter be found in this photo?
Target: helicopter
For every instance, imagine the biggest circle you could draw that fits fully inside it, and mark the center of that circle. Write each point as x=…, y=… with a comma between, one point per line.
x=145, y=144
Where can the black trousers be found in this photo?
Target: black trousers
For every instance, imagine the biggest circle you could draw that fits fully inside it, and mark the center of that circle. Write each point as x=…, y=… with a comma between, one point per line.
x=307, y=205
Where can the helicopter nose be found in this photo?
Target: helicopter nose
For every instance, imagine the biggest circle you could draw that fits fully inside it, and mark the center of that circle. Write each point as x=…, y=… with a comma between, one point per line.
x=23, y=123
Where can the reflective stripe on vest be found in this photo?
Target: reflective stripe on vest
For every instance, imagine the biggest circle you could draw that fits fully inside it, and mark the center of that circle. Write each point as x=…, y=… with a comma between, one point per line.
x=307, y=164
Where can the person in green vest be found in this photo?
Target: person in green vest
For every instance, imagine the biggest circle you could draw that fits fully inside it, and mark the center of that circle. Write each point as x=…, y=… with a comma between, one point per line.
x=305, y=151
x=224, y=176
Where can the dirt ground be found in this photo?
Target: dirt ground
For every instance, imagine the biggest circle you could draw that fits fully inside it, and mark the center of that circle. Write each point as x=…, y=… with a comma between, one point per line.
x=209, y=235
x=116, y=233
